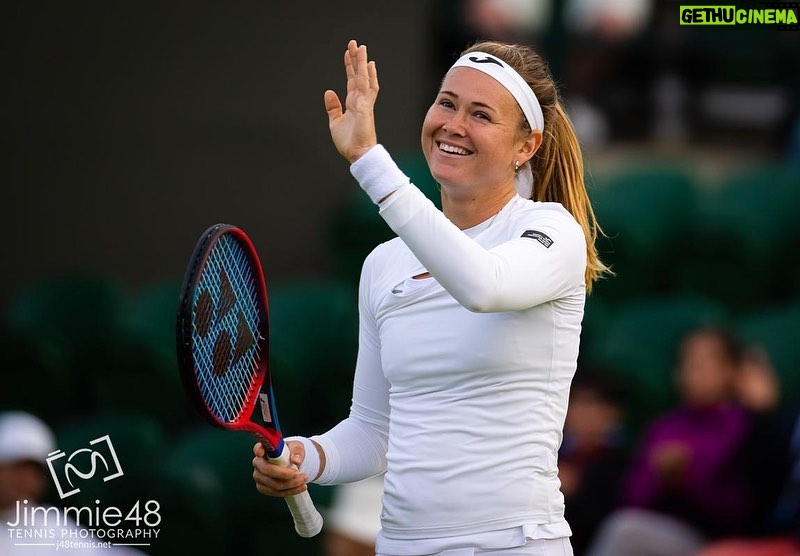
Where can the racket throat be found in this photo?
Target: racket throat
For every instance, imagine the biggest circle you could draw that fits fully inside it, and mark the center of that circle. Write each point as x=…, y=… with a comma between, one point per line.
x=273, y=452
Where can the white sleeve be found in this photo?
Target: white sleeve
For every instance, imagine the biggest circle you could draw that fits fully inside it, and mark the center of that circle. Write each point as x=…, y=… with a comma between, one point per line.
x=356, y=448
x=515, y=275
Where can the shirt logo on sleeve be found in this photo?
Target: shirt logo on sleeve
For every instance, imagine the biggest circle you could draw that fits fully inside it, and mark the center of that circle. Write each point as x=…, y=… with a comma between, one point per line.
x=541, y=237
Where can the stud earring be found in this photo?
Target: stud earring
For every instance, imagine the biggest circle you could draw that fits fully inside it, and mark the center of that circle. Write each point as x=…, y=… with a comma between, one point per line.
x=516, y=165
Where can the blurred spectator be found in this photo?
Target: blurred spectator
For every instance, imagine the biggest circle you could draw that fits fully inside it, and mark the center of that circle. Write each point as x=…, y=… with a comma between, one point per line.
x=772, y=457
x=515, y=21
x=773, y=446
x=606, y=73
x=458, y=23
x=25, y=442
x=687, y=480
x=756, y=383
x=611, y=20
x=354, y=519
x=592, y=455
x=595, y=48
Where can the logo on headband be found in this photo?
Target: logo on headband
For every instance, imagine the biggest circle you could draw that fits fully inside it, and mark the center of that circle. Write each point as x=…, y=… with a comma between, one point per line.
x=486, y=60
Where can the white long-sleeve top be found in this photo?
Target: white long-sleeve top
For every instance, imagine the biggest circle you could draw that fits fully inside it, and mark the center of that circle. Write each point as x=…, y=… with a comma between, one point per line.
x=462, y=379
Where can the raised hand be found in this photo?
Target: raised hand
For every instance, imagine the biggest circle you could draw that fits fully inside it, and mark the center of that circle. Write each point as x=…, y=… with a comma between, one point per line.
x=353, y=129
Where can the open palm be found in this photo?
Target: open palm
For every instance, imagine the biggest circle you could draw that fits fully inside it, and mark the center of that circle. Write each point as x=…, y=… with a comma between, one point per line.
x=353, y=128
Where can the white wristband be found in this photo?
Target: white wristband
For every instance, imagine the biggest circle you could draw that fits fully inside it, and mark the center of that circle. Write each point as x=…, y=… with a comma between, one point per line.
x=310, y=464
x=377, y=173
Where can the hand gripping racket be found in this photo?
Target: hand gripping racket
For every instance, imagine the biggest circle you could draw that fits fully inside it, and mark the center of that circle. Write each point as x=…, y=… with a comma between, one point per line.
x=223, y=348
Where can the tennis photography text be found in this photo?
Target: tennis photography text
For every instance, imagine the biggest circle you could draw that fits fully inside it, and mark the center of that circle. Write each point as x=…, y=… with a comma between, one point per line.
x=92, y=525
x=138, y=522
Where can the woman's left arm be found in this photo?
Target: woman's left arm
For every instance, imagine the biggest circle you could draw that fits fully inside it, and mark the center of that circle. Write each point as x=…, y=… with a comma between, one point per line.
x=545, y=260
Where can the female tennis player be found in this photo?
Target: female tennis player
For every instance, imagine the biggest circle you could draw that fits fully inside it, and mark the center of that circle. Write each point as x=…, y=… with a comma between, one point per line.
x=469, y=320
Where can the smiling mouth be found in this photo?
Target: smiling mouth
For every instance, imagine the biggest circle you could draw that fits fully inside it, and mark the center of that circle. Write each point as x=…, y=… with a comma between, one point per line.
x=452, y=149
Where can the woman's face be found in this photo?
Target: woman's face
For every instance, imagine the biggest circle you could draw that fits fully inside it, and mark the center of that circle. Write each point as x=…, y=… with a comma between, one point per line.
x=471, y=135
x=23, y=480
x=706, y=372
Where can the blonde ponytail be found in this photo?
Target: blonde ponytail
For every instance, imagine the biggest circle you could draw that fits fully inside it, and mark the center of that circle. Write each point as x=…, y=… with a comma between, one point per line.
x=558, y=177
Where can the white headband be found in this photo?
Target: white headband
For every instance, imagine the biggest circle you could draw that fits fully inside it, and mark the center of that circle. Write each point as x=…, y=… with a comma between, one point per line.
x=511, y=80
x=522, y=93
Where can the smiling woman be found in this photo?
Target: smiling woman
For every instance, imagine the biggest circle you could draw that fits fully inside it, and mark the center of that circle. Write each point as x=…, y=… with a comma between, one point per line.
x=469, y=320
x=472, y=142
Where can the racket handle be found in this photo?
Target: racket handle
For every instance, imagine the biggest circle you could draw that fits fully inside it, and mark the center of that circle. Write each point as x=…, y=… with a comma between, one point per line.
x=307, y=520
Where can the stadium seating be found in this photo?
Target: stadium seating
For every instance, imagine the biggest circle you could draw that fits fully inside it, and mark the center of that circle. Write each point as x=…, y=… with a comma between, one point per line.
x=151, y=317
x=140, y=365
x=201, y=478
x=35, y=371
x=742, y=239
x=640, y=343
x=77, y=310
x=645, y=214
x=138, y=440
x=78, y=315
x=313, y=346
x=598, y=313
x=354, y=230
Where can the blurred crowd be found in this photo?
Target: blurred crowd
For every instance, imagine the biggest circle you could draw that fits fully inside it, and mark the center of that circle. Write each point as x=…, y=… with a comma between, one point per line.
x=715, y=474
x=629, y=72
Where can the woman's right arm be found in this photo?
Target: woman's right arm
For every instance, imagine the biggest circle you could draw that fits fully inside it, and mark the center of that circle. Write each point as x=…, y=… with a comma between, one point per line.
x=355, y=448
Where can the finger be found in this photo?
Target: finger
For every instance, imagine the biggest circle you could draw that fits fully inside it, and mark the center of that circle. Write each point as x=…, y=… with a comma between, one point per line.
x=258, y=450
x=333, y=106
x=279, y=482
x=354, y=57
x=271, y=487
x=372, y=72
x=362, y=75
x=350, y=54
x=275, y=483
x=297, y=459
x=282, y=493
x=297, y=452
x=349, y=71
x=274, y=471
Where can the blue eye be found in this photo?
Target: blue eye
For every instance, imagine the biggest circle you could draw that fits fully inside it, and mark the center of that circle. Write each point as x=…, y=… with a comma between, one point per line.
x=446, y=103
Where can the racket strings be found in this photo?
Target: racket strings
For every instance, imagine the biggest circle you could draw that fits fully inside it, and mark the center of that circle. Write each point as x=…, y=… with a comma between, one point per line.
x=225, y=388
x=224, y=328
x=232, y=392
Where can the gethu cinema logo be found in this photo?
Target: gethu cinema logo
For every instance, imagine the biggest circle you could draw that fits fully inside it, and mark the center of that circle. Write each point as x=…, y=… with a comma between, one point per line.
x=730, y=15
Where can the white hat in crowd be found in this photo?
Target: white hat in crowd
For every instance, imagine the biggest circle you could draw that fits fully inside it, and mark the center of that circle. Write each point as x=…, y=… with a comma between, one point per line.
x=24, y=437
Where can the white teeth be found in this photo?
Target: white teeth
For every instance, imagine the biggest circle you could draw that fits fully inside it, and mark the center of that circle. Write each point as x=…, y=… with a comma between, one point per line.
x=452, y=149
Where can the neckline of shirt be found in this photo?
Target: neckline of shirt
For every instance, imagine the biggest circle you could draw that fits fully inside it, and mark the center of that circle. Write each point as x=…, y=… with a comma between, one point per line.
x=486, y=224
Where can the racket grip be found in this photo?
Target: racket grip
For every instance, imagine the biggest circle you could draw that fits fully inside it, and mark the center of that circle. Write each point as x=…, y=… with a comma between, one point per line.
x=307, y=520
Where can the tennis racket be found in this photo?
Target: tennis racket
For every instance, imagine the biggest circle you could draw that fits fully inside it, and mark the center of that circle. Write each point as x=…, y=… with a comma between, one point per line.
x=223, y=348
